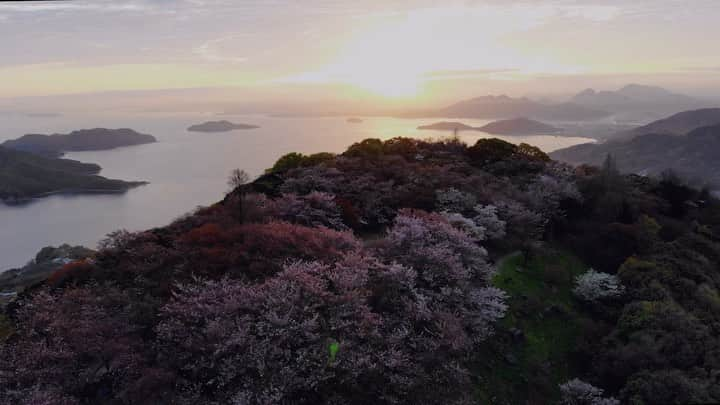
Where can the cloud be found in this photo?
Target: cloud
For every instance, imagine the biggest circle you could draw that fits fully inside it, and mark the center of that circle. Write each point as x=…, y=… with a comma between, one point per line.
x=210, y=51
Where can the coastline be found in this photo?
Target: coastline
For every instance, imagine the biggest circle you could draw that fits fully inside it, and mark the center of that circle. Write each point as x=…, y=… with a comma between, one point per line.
x=13, y=201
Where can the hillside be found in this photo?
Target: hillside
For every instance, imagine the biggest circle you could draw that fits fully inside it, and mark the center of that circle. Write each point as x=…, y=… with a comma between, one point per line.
x=82, y=140
x=677, y=124
x=25, y=175
x=695, y=156
x=504, y=107
x=398, y=272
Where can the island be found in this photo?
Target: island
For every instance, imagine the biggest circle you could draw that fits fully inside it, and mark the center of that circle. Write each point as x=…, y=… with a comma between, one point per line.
x=447, y=126
x=515, y=126
x=519, y=126
x=219, y=126
x=82, y=140
x=24, y=176
x=354, y=121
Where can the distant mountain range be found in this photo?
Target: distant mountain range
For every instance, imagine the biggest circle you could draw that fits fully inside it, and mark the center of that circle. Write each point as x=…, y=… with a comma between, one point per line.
x=219, y=126
x=504, y=107
x=25, y=175
x=688, y=143
x=515, y=126
x=83, y=140
x=635, y=98
x=632, y=103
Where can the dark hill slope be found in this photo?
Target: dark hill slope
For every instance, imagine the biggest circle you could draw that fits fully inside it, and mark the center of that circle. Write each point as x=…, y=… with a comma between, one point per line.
x=695, y=156
x=677, y=124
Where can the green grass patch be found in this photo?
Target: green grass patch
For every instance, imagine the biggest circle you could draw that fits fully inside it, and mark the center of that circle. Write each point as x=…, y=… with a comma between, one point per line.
x=531, y=353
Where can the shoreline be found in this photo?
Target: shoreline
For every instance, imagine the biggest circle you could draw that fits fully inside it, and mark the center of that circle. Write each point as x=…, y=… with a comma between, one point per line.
x=14, y=201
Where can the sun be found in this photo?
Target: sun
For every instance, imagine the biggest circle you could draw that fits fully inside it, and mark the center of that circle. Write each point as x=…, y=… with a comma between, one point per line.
x=387, y=61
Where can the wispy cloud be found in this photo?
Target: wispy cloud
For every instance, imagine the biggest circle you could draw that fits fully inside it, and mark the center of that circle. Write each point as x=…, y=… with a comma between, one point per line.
x=211, y=50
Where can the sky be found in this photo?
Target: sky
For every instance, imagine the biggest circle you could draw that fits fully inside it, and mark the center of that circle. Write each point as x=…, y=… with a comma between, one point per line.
x=389, y=51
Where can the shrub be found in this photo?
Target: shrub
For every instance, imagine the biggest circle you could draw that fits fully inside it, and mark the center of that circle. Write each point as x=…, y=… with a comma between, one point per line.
x=487, y=218
x=453, y=200
x=286, y=162
x=314, y=209
x=368, y=148
x=595, y=286
x=490, y=150
x=578, y=392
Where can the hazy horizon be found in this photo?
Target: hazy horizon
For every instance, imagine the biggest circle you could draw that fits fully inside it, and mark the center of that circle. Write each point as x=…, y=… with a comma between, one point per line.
x=379, y=54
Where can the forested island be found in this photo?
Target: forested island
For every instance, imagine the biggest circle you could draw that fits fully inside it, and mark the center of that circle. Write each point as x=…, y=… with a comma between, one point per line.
x=398, y=272
x=219, y=126
x=515, y=126
x=82, y=140
x=24, y=176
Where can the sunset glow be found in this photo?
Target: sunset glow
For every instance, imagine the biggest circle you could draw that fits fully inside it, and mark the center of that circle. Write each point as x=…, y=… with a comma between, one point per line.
x=390, y=50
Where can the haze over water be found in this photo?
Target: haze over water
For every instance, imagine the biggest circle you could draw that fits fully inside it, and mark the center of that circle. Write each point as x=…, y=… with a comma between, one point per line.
x=185, y=169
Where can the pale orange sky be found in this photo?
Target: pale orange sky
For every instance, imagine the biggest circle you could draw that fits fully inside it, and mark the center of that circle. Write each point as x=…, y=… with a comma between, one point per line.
x=392, y=51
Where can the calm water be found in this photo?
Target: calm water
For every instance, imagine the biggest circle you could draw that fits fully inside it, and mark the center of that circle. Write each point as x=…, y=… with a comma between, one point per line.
x=184, y=169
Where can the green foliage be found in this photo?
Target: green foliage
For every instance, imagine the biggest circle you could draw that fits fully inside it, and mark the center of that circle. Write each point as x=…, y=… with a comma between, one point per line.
x=491, y=150
x=367, y=148
x=333, y=349
x=286, y=162
x=542, y=308
x=295, y=160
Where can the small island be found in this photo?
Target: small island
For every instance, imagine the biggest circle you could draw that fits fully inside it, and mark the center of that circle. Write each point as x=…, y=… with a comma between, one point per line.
x=519, y=126
x=354, y=121
x=83, y=140
x=447, y=126
x=26, y=176
x=516, y=126
x=219, y=126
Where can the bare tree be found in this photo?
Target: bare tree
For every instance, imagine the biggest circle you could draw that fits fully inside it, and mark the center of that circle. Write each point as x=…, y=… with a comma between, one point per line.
x=237, y=178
